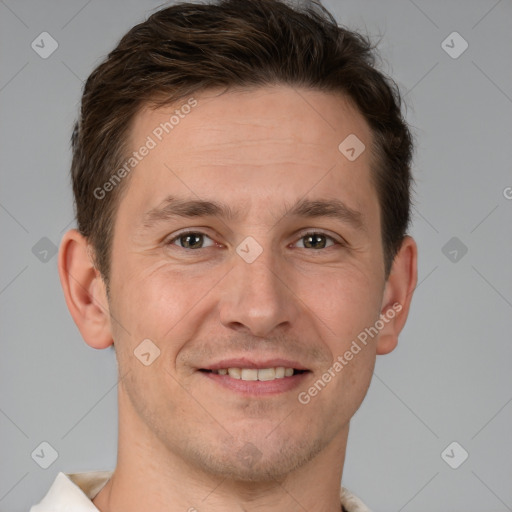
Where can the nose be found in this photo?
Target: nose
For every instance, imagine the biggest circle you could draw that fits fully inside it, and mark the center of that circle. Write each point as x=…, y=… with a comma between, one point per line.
x=257, y=297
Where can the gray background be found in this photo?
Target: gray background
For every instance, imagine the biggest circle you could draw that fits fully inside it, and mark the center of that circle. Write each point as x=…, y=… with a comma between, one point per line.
x=450, y=378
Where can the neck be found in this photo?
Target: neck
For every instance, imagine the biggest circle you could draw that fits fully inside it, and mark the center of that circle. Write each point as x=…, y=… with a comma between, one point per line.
x=149, y=476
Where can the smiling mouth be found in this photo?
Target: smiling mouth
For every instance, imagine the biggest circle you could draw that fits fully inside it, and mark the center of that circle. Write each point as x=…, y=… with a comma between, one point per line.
x=256, y=374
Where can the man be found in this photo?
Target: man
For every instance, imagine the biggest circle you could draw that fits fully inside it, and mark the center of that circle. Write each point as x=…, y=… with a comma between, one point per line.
x=241, y=175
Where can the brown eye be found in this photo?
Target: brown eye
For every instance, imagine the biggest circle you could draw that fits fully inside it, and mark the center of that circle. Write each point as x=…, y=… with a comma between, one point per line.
x=316, y=241
x=192, y=240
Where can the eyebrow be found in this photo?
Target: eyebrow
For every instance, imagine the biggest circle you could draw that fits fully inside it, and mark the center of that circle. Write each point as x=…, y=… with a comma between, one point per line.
x=333, y=208
x=172, y=207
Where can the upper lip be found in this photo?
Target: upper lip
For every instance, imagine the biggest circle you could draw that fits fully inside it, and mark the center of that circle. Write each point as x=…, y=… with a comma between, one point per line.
x=245, y=362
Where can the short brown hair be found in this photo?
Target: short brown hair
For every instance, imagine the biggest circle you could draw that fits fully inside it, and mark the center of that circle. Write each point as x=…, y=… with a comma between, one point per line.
x=188, y=48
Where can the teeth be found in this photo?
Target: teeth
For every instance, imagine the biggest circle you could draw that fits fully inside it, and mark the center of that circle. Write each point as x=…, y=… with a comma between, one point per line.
x=249, y=374
x=235, y=373
x=262, y=374
x=266, y=374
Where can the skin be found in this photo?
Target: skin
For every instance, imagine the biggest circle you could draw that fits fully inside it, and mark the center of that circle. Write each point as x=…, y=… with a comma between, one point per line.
x=182, y=436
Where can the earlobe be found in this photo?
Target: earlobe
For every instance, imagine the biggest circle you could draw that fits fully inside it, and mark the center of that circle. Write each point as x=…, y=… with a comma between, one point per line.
x=84, y=290
x=398, y=295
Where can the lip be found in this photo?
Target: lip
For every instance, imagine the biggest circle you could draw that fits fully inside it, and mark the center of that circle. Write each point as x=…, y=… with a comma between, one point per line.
x=244, y=362
x=256, y=388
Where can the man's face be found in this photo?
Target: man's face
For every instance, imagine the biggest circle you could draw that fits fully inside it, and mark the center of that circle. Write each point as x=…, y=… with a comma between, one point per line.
x=211, y=301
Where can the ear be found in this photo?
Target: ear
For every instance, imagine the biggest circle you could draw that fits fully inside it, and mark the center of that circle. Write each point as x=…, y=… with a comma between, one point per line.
x=84, y=290
x=398, y=295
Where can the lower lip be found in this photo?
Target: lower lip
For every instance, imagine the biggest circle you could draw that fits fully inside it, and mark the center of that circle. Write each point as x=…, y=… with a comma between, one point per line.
x=257, y=387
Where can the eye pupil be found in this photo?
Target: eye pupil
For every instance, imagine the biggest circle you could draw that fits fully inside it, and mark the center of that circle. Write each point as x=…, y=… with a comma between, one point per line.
x=191, y=240
x=314, y=241
x=196, y=240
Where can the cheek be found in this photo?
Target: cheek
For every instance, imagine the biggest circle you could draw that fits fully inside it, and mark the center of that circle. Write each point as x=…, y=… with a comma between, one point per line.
x=344, y=301
x=356, y=381
x=349, y=304
x=158, y=302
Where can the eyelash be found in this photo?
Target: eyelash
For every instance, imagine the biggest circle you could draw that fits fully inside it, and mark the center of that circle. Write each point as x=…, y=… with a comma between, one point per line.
x=303, y=235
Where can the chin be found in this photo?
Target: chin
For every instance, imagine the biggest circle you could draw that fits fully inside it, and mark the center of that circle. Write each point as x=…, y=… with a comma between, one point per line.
x=261, y=462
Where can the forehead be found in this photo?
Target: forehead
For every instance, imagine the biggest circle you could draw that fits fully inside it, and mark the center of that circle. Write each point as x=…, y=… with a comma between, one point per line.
x=250, y=146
